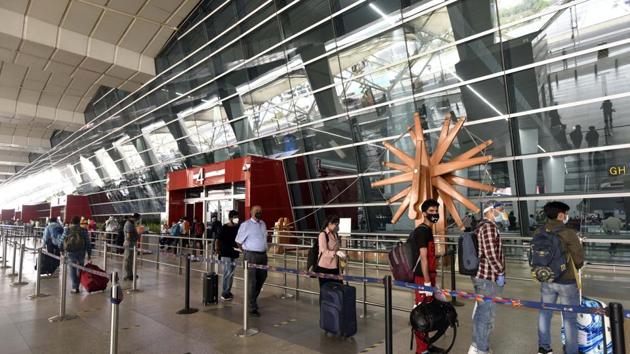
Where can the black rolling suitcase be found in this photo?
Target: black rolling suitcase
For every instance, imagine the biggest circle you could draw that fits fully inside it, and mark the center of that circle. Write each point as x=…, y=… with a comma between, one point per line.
x=210, y=288
x=337, y=309
x=49, y=264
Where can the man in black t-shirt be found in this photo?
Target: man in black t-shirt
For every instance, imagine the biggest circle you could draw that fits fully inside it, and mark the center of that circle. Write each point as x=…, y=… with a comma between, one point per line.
x=425, y=272
x=225, y=246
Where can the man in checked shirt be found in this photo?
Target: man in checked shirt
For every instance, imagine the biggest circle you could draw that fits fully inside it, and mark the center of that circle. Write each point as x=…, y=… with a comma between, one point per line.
x=489, y=280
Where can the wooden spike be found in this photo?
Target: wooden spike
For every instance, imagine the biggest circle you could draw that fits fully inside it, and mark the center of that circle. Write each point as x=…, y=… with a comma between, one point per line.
x=415, y=194
x=412, y=135
x=401, y=210
x=474, y=151
x=445, y=127
x=448, y=167
x=465, y=182
x=450, y=206
x=444, y=144
x=399, y=178
x=397, y=166
x=408, y=160
x=403, y=193
x=441, y=184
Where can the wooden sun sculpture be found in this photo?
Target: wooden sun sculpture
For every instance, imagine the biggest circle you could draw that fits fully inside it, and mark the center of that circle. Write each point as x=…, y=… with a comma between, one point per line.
x=431, y=177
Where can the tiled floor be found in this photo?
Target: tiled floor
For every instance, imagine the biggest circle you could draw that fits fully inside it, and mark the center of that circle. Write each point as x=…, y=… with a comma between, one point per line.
x=149, y=323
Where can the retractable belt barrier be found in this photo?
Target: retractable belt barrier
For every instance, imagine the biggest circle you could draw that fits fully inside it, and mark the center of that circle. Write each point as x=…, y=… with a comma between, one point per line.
x=52, y=255
x=516, y=303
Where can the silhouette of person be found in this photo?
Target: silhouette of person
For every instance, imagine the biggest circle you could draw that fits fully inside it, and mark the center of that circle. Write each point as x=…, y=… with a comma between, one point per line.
x=576, y=136
x=558, y=129
x=607, y=108
x=592, y=140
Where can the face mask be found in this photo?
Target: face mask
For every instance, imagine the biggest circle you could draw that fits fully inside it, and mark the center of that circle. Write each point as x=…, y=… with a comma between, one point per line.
x=433, y=217
x=498, y=216
x=213, y=219
x=258, y=215
x=235, y=220
x=566, y=219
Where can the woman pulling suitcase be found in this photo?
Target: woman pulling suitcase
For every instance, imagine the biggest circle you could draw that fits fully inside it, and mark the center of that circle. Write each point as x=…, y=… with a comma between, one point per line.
x=337, y=301
x=329, y=253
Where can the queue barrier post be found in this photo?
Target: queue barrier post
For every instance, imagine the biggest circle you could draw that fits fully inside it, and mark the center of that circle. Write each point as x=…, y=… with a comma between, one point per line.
x=105, y=254
x=134, y=271
x=157, y=256
x=246, y=331
x=15, y=245
x=63, y=275
x=38, y=277
x=389, y=347
x=19, y=281
x=615, y=312
x=4, y=252
x=364, y=315
x=116, y=299
x=179, y=255
x=454, y=301
x=187, y=310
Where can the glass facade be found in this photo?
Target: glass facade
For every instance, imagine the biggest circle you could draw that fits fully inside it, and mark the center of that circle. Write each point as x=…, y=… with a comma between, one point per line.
x=321, y=84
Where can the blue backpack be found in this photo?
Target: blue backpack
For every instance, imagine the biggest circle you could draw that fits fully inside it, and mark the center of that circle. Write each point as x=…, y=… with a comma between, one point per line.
x=176, y=230
x=468, y=253
x=547, y=257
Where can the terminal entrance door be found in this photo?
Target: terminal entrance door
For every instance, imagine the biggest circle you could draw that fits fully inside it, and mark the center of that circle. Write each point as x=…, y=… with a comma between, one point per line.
x=220, y=199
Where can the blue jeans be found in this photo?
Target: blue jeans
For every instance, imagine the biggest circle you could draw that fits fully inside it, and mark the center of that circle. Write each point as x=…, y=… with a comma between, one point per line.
x=228, y=274
x=566, y=294
x=483, y=319
x=76, y=258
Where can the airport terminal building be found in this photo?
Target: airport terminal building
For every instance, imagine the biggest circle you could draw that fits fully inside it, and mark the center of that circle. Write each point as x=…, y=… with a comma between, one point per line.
x=192, y=108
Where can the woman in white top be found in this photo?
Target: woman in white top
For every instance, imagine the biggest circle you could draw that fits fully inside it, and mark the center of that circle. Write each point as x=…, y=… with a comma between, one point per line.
x=329, y=253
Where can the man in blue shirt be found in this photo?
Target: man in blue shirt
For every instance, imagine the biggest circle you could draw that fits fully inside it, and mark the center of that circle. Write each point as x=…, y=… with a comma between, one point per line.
x=252, y=238
x=75, y=242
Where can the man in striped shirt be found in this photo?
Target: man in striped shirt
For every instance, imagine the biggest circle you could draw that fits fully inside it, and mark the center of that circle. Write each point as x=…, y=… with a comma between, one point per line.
x=489, y=280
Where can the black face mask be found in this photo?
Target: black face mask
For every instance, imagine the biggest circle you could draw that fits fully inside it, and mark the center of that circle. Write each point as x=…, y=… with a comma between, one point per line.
x=258, y=215
x=433, y=217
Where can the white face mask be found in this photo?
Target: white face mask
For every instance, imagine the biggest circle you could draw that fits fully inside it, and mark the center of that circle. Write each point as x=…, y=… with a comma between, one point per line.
x=235, y=220
x=566, y=219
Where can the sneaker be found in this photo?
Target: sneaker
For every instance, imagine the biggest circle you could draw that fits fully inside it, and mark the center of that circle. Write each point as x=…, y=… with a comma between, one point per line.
x=474, y=350
x=75, y=291
x=254, y=313
x=226, y=297
x=542, y=350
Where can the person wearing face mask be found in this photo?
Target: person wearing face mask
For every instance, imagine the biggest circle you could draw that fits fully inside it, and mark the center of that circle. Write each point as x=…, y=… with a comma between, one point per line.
x=490, y=278
x=564, y=290
x=225, y=247
x=252, y=239
x=425, y=273
x=329, y=252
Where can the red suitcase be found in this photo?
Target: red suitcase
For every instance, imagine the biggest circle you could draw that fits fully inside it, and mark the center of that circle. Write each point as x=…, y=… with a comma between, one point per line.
x=92, y=282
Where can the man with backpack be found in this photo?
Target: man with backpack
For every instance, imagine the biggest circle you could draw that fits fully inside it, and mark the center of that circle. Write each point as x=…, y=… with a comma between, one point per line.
x=75, y=243
x=489, y=280
x=555, y=264
x=425, y=270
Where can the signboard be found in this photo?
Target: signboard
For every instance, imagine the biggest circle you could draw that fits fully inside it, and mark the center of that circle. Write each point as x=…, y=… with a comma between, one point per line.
x=617, y=170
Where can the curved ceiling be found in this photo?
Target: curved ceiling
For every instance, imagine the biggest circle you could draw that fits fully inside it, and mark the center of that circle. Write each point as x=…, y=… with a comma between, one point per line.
x=56, y=54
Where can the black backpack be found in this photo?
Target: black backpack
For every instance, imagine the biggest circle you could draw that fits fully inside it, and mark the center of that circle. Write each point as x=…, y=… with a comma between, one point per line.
x=434, y=316
x=313, y=254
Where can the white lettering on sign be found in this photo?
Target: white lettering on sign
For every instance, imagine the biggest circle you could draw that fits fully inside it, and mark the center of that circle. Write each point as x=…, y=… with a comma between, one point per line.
x=199, y=176
x=215, y=173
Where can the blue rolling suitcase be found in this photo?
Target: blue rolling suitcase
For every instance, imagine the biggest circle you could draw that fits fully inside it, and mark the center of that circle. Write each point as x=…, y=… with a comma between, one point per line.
x=593, y=330
x=338, y=312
